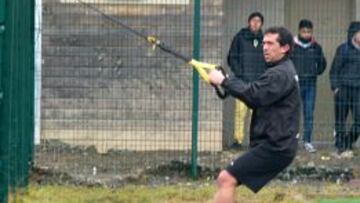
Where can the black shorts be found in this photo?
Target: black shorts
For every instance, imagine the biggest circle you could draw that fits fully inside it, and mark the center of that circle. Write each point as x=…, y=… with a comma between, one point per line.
x=258, y=166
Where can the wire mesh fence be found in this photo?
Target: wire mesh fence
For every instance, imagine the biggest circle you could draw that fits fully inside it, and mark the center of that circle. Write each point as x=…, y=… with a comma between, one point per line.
x=113, y=105
x=107, y=91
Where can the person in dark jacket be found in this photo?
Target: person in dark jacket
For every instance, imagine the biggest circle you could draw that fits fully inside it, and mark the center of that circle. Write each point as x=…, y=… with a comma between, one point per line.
x=247, y=62
x=309, y=62
x=345, y=83
x=275, y=100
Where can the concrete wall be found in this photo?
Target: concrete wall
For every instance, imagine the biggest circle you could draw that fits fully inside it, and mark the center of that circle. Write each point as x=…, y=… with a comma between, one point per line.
x=357, y=9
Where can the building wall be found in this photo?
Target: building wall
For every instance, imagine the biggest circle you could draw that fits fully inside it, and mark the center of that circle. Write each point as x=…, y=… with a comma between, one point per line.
x=356, y=9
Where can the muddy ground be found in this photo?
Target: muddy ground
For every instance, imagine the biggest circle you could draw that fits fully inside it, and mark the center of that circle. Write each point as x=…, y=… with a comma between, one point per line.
x=59, y=163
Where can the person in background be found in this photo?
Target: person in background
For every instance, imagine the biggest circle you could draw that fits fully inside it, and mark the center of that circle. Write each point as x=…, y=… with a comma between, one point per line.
x=246, y=61
x=309, y=61
x=345, y=83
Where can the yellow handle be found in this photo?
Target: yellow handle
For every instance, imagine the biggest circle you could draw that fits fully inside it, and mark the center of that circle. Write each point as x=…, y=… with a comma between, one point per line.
x=202, y=68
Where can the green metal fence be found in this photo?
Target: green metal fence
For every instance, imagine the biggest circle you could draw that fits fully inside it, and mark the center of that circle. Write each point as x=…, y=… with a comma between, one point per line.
x=17, y=81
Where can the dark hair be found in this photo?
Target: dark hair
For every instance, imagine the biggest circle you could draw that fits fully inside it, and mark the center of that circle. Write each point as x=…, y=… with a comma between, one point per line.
x=305, y=23
x=354, y=27
x=256, y=14
x=285, y=37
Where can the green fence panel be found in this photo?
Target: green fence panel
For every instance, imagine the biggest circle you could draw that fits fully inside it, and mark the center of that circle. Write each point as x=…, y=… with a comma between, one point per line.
x=17, y=82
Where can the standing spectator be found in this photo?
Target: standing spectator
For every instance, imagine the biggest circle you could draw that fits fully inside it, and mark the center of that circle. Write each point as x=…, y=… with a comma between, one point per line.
x=310, y=62
x=345, y=83
x=247, y=62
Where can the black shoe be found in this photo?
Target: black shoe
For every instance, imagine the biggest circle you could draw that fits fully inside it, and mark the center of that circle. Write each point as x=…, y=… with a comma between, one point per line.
x=236, y=145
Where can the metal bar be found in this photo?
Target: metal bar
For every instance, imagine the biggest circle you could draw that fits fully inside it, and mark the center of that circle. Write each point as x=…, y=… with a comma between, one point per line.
x=4, y=147
x=37, y=97
x=195, y=96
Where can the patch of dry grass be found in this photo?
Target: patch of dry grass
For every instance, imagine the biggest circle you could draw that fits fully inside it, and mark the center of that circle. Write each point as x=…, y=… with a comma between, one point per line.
x=189, y=193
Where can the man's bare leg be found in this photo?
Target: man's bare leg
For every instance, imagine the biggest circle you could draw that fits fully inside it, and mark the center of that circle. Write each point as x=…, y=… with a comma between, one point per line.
x=226, y=185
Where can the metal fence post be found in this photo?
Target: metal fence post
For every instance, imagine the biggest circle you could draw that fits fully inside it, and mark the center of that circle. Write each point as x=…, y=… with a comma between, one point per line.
x=17, y=81
x=195, y=96
x=3, y=139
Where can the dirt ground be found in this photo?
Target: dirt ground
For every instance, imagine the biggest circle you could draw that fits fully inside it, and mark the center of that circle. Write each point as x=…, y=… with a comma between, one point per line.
x=59, y=163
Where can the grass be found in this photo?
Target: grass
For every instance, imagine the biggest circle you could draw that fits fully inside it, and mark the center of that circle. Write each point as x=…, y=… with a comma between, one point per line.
x=351, y=200
x=189, y=193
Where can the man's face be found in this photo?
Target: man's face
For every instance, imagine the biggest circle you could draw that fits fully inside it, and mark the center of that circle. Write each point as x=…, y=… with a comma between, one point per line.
x=306, y=33
x=357, y=38
x=255, y=24
x=272, y=50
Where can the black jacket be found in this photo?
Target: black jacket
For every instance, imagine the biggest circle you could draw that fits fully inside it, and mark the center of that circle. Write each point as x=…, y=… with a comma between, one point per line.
x=245, y=59
x=345, y=69
x=308, y=59
x=275, y=99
